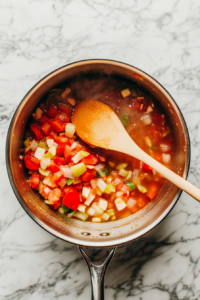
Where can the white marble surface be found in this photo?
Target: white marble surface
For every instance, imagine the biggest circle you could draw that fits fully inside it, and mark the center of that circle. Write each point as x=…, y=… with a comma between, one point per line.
x=160, y=37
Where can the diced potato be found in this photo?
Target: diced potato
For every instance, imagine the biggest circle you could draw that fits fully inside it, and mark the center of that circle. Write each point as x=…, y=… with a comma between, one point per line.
x=91, y=211
x=125, y=93
x=89, y=199
x=52, y=150
x=80, y=215
x=39, y=153
x=105, y=216
x=50, y=142
x=120, y=204
x=103, y=203
x=81, y=207
x=86, y=192
x=98, y=210
x=130, y=175
x=96, y=220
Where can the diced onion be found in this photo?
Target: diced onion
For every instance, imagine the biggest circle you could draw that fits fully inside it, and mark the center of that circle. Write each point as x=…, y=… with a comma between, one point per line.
x=165, y=147
x=39, y=153
x=96, y=220
x=90, y=211
x=101, y=184
x=69, y=130
x=93, y=183
x=47, y=190
x=98, y=210
x=81, y=207
x=149, y=109
x=131, y=203
x=73, y=146
x=103, y=203
x=99, y=167
x=44, y=172
x=44, y=163
x=86, y=192
x=79, y=156
x=119, y=194
x=80, y=215
x=52, y=150
x=141, y=164
x=33, y=145
x=67, y=172
x=146, y=119
x=120, y=204
x=129, y=176
x=166, y=158
x=135, y=174
x=89, y=199
x=50, y=142
x=90, y=167
x=148, y=141
x=105, y=216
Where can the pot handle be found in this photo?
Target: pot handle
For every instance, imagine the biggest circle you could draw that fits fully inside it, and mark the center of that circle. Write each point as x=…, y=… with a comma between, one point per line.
x=97, y=273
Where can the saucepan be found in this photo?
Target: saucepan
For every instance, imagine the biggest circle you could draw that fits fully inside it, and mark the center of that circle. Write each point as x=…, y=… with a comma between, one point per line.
x=88, y=234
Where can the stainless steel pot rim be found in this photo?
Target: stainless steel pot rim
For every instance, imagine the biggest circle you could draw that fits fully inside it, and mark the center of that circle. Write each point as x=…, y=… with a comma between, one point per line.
x=78, y=241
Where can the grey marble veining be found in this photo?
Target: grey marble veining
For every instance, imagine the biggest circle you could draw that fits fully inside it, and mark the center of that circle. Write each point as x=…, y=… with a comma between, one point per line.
x=159, y=37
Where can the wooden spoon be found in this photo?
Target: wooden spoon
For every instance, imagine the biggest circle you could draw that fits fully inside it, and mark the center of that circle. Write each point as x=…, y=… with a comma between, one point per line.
x=98, y=125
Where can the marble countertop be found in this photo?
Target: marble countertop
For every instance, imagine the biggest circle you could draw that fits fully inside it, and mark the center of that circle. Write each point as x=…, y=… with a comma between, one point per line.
x=159, y=37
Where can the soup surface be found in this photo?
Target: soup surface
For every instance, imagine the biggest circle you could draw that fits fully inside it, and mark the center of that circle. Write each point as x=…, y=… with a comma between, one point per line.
x=93, y=184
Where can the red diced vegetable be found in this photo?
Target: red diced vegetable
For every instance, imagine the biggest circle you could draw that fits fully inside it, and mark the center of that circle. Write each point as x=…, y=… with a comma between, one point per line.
x=62, y=140
x=35, y=181
x=60, y=149
x=90, y=160
x=88, y=175
x=62, y=117
x=43, y=120
x=31, y=162
x=46, y=129
x=54, y=136
x=66, y=109
x=71, y=198
x=35, y=129
x=57, y=204
x=78, y=186
x=152, y=190
x=53, y=168
x=101, y=158
x=59, y=160
x=146, y=168
x=57, y=177
x=52, y=112
x=71, y=141
x=67, y=153
x=57, y=125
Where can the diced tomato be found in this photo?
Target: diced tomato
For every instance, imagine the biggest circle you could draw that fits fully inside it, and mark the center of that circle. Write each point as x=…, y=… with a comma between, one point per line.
x=152, y=190
x=54, y=136
x=46, y=129
x=35, y=181
x=62, y=117
x=124, y=188
x=57, y=177
x=66, y=109
x=52, y=111
x=53, y=167
x=137, y=104
x=78, y=186
x=67, y=153
x=82, y=200
x=146, y=168
x=71, y=198
x=88, y=175
x=157, y=155
x=157, y=119
x=57, y=204
x=101, y=158
x=57, y=125
x=60, y=149
x=43, y=120
x=35, y=129
x=62, y=140
x=54, y=195
x=71, y=141
x=59, y=160
x=31, y=162
x=90, y=159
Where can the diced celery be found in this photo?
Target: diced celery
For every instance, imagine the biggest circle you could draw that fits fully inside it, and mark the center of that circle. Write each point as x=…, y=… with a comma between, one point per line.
x=141, y=188
x=65, y=208
x=48, y=155
x=102, y=173
x=26, y=142
x=123, y=172
x=69, y=181
x=125, y=93
x=42, y=145
x=130, y=185
x=134, y=93
x=110, y=188
x=44, y=172
x=122, y=166
x=80, y=215
x=111, y=212
x=125, y=120
x=78, y=169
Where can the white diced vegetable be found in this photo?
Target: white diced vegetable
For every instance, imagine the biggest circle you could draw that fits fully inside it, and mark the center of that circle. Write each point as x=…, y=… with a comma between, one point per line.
x=131, y=203
x=91, y=211
x=47, y=180
x=96, y=220
x=52, y=150
x=98, y=210
x=86, y=192
x=135, y=174
x=38, y=114
x=80, y=215
x=69, y=130
x=105, y=216
x=120, y=204
x=44, y=172
x=90, y=167
x=73, y=146
x=166, y=158
x=81, y=207
x=44, y=163
x=47, y=190
x=146, y=119
x=50, y=142
x=119, y=194
x=148, y=141
x=129, y=176
x=39, y=153
x=33, y=145
x=103, y=203
x=149, y=109
x=93, y=183
x=67, y=172
x=165, y=147
x=99, y=167
x=79, y=156
x=89, y=199
x=101, y=184
x=78, y=169
x=141, y=188
x=123, y=172
x=125, y=93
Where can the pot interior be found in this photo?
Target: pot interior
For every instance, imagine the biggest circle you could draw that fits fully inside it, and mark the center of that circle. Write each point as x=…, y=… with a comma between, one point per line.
x=87, y=233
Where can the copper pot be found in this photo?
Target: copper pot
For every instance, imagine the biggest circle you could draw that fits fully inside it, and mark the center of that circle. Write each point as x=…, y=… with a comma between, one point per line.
x=87, y=233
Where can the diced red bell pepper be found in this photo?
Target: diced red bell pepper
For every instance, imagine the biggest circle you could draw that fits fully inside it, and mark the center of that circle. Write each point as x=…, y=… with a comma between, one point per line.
x=78, y=186
x=88, y=175
x=62, y=140
x=59, y=160
x=35, y=181
x=152, y=190
x=31, y=162
x=60, y=149
x=52, y=111
x=43, y=120
x=71, y=198
x=67, y=153
x=53, y=167
x=90, y=159
x=46, y=129
x=57, y=125
x=35, y=129
x=57, y=204
x=146, y=168
x=157, y=119
x=71, y=141
x=54, y=136
x=62, y=117
x=66, y=109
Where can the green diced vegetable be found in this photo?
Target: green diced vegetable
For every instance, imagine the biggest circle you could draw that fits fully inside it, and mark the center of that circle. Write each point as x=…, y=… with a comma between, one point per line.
x=26, y=142
x=110, y=188
x=70, y=213
x=48, y=155
x=130, y=185
x=111, y=212
x=134, y=93
x=121, y=166
x=102, y=173
x=69, y=181
x=78, y=169
x=66, y=209
x=84, y=153
x=141, y=188
x=42, y=145
x=125, y=120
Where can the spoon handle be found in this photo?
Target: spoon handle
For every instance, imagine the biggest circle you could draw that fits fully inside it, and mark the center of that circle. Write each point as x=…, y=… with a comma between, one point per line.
x=132, y=149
